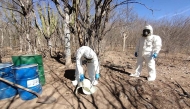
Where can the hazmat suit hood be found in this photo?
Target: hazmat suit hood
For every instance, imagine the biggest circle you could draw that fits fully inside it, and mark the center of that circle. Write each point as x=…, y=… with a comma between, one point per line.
x=89, y=55
x=150, y=28
x=147, y=31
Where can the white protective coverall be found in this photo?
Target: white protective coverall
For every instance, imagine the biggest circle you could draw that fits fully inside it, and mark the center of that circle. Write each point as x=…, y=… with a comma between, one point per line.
x=145, y=48
x=85, y=53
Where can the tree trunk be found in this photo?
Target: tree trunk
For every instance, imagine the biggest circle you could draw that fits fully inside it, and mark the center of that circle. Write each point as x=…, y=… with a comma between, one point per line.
x=38, y=43
x=29, y=42
x=10, y=41
x=124, y=39
x=2, y=38
x=49, y=41
x=1, y=51
x=67, y=40
x=21, y=43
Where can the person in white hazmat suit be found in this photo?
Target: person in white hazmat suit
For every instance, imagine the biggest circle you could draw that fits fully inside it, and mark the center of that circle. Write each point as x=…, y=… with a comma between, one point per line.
x=147, y=50
x=85, y=53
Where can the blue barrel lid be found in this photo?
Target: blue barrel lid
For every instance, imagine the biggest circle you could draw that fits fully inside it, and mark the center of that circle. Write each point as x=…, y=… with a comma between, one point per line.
x=24, y=66
x=4, y=65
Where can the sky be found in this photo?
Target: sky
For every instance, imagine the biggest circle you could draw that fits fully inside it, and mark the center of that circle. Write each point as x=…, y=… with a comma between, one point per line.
x=162, y=8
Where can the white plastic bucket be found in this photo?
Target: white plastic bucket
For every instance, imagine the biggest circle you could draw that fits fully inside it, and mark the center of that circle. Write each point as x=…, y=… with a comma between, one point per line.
x=87, y=87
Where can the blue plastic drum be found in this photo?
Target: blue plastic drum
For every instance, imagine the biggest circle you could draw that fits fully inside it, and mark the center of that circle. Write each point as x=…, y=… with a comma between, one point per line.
x=27, y=76
x=6, y=90
x=30, y=83
x=25, y=71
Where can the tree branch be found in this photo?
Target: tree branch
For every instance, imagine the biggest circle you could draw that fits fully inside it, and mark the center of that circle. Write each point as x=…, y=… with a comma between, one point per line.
x=12, y=9
x=128, y=1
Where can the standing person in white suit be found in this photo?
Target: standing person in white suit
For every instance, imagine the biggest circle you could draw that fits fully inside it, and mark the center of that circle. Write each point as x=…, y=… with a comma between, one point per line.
x=85, y=53
x=147, y=50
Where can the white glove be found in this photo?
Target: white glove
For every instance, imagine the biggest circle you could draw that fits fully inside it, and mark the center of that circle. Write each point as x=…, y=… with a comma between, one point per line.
x=95, y=82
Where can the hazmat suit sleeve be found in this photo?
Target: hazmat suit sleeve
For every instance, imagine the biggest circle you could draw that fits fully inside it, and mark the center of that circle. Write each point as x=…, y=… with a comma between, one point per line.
x=96, y=64
x=79, y=62
x=157, y=44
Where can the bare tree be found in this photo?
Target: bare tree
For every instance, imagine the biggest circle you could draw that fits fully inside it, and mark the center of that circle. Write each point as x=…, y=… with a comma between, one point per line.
x=48, y=24
x=24, y=8
x=65, y=13
x=174, y=33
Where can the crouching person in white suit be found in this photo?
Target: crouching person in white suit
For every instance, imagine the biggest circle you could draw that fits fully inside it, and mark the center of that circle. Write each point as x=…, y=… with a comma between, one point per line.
x=85, y=53
x=147, y=50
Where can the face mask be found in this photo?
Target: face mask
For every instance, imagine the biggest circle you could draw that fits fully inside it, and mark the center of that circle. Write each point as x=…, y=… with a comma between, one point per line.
x=146, y=32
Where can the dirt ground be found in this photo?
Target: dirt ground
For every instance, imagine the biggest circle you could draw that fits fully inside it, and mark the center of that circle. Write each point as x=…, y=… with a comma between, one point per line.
x=116, y=89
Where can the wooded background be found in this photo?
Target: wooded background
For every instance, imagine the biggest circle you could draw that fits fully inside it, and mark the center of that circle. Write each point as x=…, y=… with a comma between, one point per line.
x=56, y=28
